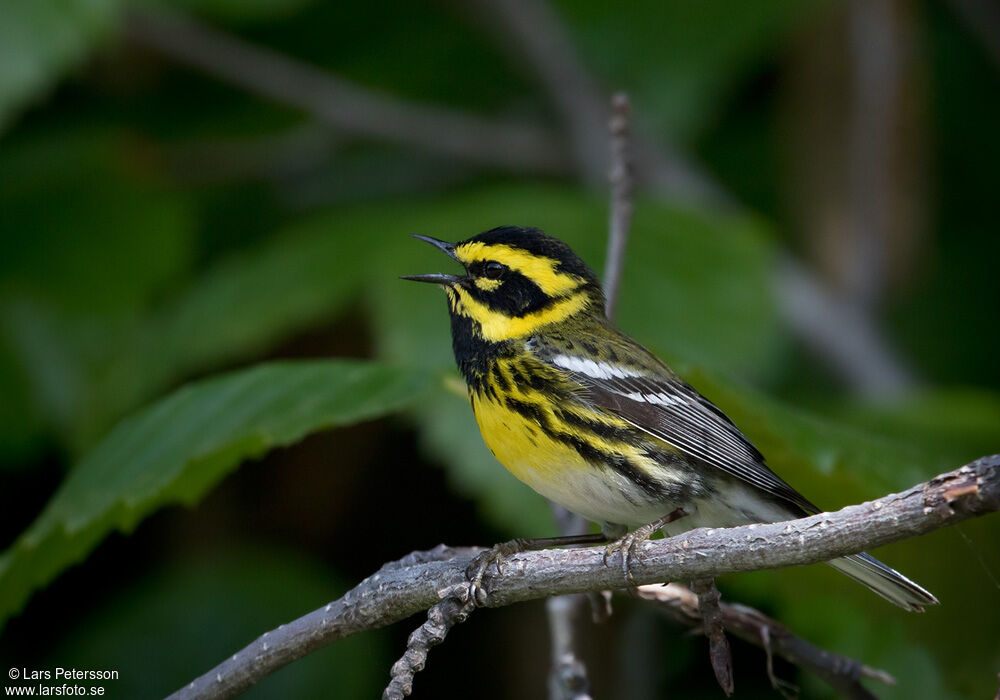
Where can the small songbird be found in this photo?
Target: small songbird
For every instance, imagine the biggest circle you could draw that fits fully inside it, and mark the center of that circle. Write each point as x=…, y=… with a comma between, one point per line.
x=592, y=420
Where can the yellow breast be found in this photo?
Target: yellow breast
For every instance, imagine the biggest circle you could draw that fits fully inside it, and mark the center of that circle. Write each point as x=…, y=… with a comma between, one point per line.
x=520, y=444
x=555, y=469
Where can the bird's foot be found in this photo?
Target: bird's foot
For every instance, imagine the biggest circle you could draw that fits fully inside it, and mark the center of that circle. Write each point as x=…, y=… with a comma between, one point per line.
x=630, y=544
x=494, y=555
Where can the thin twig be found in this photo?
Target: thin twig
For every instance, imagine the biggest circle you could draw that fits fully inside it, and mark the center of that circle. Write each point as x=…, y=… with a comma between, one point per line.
x=711, y=615
x=840, y=672
x=339, y=103
x=403, y=588
x=620, y=216
x=457, y=603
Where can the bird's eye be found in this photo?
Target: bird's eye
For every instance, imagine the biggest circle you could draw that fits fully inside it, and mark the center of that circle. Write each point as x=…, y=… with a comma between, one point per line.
x=494, y=270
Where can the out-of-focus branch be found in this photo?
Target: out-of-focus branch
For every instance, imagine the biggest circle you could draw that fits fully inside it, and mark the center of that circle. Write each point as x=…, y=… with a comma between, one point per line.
x=568, y=675
x=875, y=69
x=403, y=588
x=840, y=672
x=533, y=36
x=343, y=105
x=839, y=333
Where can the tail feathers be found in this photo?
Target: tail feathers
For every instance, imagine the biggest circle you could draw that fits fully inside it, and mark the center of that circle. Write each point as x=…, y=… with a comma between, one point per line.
x=886, y=582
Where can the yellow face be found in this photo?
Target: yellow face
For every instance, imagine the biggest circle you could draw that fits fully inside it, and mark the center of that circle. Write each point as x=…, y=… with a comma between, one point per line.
x=510, y=292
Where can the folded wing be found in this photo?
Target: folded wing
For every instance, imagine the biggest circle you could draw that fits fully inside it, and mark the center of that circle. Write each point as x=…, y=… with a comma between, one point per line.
x=667, y=408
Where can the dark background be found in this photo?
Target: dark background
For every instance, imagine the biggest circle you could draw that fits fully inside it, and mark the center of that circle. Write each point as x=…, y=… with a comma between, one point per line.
x=163, y=223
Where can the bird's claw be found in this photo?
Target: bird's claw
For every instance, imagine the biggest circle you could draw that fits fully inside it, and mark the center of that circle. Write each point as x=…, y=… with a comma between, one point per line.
x=478, y=566
x=629, y=546
x=630, y=543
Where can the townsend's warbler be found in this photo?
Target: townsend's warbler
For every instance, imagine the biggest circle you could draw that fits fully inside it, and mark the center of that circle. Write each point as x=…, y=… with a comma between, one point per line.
x=590, y=419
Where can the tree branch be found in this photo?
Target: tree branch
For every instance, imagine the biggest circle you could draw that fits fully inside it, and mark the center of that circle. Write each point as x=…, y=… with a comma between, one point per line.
x=709, y=602
x=841, y=673
x=403, y=588
x=455, y=607
x=620, y=216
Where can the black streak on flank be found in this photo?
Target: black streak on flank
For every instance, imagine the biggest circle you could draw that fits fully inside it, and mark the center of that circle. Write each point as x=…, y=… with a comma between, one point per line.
x=603, y=430
x=532, y=413
x=591, y=454
x=500, y=379
x=618, y=463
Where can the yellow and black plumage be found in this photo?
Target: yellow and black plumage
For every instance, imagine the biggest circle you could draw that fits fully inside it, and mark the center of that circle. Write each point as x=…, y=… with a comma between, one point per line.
x=592, y=420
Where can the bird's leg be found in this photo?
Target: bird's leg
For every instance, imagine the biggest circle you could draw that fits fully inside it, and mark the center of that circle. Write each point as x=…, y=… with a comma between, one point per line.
x=496, y=554
x=629, y=543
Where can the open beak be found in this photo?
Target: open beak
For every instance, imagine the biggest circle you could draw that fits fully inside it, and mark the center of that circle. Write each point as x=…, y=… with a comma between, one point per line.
x=436, y=277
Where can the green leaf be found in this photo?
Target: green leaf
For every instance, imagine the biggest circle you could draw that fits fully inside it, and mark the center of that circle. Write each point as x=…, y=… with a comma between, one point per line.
x=89, y=371
x=176, y=449
x=153, y=630
x=40, y=40
x=91, y=237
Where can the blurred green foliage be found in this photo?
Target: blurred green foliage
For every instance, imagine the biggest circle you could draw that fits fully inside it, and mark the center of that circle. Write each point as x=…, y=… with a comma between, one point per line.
x=178, y=448
x=159, y=227
x=231, y=604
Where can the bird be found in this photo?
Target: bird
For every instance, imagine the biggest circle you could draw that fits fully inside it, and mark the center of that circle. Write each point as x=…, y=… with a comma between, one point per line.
x=592, y=420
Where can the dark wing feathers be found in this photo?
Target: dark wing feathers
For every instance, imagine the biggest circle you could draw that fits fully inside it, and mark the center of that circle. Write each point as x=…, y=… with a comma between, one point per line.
x=671, y=410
